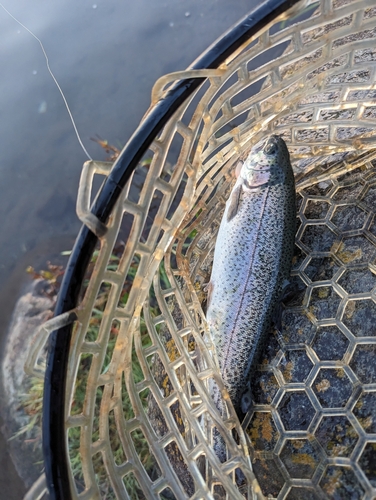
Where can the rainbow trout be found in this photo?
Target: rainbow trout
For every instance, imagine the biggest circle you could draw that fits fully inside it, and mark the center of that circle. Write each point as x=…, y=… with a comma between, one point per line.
x=252, y=260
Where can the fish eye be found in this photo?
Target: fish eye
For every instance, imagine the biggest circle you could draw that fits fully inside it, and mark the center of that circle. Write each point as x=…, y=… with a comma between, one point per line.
x=270, y=148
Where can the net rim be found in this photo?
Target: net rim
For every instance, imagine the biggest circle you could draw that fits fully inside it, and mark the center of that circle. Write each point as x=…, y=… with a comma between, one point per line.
x=54, y=438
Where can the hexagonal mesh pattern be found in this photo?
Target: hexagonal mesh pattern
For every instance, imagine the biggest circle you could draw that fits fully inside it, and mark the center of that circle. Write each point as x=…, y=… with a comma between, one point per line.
x=141, y=353
x=312, y=428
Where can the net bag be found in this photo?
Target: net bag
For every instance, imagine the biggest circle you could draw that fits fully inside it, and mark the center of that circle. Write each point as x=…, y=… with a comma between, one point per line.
x=127, y=409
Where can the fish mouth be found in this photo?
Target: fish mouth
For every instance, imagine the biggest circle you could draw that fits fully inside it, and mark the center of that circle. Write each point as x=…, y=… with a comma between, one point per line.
x=270, y=146
x=267, y=146
x=261, y=157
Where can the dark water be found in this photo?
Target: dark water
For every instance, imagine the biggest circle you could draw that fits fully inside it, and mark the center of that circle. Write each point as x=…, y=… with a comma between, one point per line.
x=106, y=56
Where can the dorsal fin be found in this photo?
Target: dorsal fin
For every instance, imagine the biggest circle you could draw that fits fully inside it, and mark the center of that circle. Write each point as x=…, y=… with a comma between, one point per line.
x=234, y=202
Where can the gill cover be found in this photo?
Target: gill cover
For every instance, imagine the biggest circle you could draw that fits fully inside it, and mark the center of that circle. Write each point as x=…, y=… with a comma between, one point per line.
x=254, y=172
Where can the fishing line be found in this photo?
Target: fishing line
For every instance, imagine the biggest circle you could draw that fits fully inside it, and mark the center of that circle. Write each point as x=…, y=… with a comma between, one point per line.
x=54, y=79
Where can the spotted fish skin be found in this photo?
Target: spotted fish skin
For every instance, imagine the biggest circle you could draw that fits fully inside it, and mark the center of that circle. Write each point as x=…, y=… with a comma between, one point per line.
x=252, y=259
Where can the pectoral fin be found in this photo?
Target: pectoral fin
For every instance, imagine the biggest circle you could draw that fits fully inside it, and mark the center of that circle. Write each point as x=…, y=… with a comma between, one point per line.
x=234, y=202
x=238, y=168
x=209, y=289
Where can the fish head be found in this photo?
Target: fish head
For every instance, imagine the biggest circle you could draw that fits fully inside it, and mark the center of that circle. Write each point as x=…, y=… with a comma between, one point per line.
x=268, y=162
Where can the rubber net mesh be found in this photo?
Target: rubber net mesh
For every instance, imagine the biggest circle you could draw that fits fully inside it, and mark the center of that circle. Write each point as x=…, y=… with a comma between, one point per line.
x=140, y=352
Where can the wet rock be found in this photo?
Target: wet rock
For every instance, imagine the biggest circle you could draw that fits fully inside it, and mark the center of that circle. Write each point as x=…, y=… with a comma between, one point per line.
x=32, y=309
